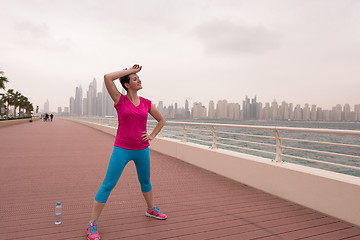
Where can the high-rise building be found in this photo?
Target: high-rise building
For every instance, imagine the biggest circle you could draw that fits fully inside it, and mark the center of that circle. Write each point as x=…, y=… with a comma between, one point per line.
x=171, y=111
x=274, y=110
x=246, y=108
x=306, y=112
x=187, y=110
x=221, y=109
x=78, y=104
x=336, y=113
x=160, y=107
x=291, y=111
x=298, y=113
x=313, y=113
x=85, y=107
x=260, y=112
x=346, y=114
x=284, y=111
x=211, y=113
x=233, y=111
x=176, y=110
x=59, y=110
x=326, y=115
x=72, y=105
x=107, y=103
x=199, y=111
x=253, y=109
x=267, y=112
x=91, y=99
x=357, y=112
x=319, y=114
x=47, y=106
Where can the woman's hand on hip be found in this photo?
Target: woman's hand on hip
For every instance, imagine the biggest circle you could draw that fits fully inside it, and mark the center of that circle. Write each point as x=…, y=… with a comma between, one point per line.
x=146, y=136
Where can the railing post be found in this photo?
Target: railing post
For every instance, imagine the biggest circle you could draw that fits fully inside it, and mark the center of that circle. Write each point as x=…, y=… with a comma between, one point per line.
x=278, y=157
x=214, y=137
x=184, y=132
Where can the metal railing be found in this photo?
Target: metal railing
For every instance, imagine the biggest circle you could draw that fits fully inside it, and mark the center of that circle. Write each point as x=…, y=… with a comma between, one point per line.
x=299, y=145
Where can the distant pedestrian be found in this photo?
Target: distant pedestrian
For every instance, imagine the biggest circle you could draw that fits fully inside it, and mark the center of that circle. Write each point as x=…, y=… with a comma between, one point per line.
x=51, y=116
x=131, y=143
x=46, y=117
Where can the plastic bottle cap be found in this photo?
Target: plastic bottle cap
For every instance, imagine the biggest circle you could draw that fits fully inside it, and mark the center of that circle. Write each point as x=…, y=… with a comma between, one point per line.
x=59, y=203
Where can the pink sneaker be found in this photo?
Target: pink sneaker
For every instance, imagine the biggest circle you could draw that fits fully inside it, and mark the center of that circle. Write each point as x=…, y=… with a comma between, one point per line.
x=155, y=213
x=92, y=233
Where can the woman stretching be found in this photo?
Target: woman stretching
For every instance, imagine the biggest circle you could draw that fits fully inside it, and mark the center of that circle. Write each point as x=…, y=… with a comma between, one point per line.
x=131, y=143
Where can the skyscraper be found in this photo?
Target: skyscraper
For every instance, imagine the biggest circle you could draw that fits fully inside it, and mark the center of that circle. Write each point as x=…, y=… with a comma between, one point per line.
x=306, y=112
x=298, y=113
x=107, y=103
x=72, y=105
x=347, y=111
x=199, y=111
x=253, y=109
x=78, y=104
x=336, y=113
x=91, y=99
x=357, y=112
x=274, y=110
x=47, y=106
x=187, y=110
x=313, y=113
x=211, y=113
x=247, y=108
x=222, y=109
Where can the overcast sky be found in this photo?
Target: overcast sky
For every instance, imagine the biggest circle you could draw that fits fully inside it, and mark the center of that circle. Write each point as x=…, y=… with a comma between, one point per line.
x=298, y=51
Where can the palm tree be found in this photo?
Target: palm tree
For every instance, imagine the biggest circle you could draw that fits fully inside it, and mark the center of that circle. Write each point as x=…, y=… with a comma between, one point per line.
x=16, y=102
x=10, y=100
x=29, y=108
x=2, y=102
x=3, y=80
x=23, y=101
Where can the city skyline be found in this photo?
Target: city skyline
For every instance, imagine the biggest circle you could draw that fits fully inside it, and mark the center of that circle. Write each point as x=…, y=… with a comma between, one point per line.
x=99, y=103
x=297, y=51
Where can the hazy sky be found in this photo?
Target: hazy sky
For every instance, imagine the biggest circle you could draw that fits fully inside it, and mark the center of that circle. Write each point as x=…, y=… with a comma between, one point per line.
x=298, y=51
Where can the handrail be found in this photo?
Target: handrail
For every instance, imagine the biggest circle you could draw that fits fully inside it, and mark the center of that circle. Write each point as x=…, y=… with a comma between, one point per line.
x=279, y=141
x=188, y=130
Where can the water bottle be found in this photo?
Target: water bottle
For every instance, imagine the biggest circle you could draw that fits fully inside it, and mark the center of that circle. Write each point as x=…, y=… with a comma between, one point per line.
x=58, y=212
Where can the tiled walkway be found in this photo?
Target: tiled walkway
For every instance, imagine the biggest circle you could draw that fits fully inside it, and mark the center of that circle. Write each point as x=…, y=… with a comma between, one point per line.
x=43, y=163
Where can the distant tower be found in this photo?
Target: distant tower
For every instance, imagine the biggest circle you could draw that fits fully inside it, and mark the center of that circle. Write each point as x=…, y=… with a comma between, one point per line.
x=78, y=104
x=187, y=110
x=274, y=110
x=47, y=106
x=211, y=114
x=72, y=105
x=313, y=113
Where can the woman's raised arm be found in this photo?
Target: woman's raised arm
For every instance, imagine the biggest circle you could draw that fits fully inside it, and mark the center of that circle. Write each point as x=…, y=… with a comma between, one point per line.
x=110, y=77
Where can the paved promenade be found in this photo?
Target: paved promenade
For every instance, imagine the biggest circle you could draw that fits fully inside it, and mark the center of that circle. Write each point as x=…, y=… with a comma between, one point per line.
x=46, y=162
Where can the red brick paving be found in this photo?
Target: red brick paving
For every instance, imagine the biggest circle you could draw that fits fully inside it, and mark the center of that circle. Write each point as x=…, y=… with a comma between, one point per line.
x=43, y=163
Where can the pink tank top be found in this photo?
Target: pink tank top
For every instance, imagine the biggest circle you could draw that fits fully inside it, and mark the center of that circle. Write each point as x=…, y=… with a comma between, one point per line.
x=132, y=122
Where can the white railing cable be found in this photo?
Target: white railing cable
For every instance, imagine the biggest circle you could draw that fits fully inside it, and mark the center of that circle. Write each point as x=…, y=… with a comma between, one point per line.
x=245, y=148
x=322, y=152
x=326, y=143
x=246, y=135
x=243, y=141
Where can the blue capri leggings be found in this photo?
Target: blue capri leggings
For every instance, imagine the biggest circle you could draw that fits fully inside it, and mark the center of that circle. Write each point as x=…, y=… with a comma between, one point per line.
x=119, y=158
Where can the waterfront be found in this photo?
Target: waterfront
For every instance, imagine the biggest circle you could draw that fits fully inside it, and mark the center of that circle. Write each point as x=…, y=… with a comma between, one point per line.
x=234, y=134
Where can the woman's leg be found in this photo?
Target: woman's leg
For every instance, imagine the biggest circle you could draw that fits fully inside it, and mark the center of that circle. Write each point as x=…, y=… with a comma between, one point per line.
x=119, y=158
x=142, y=162
x=96, y=211
x=149, y=199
